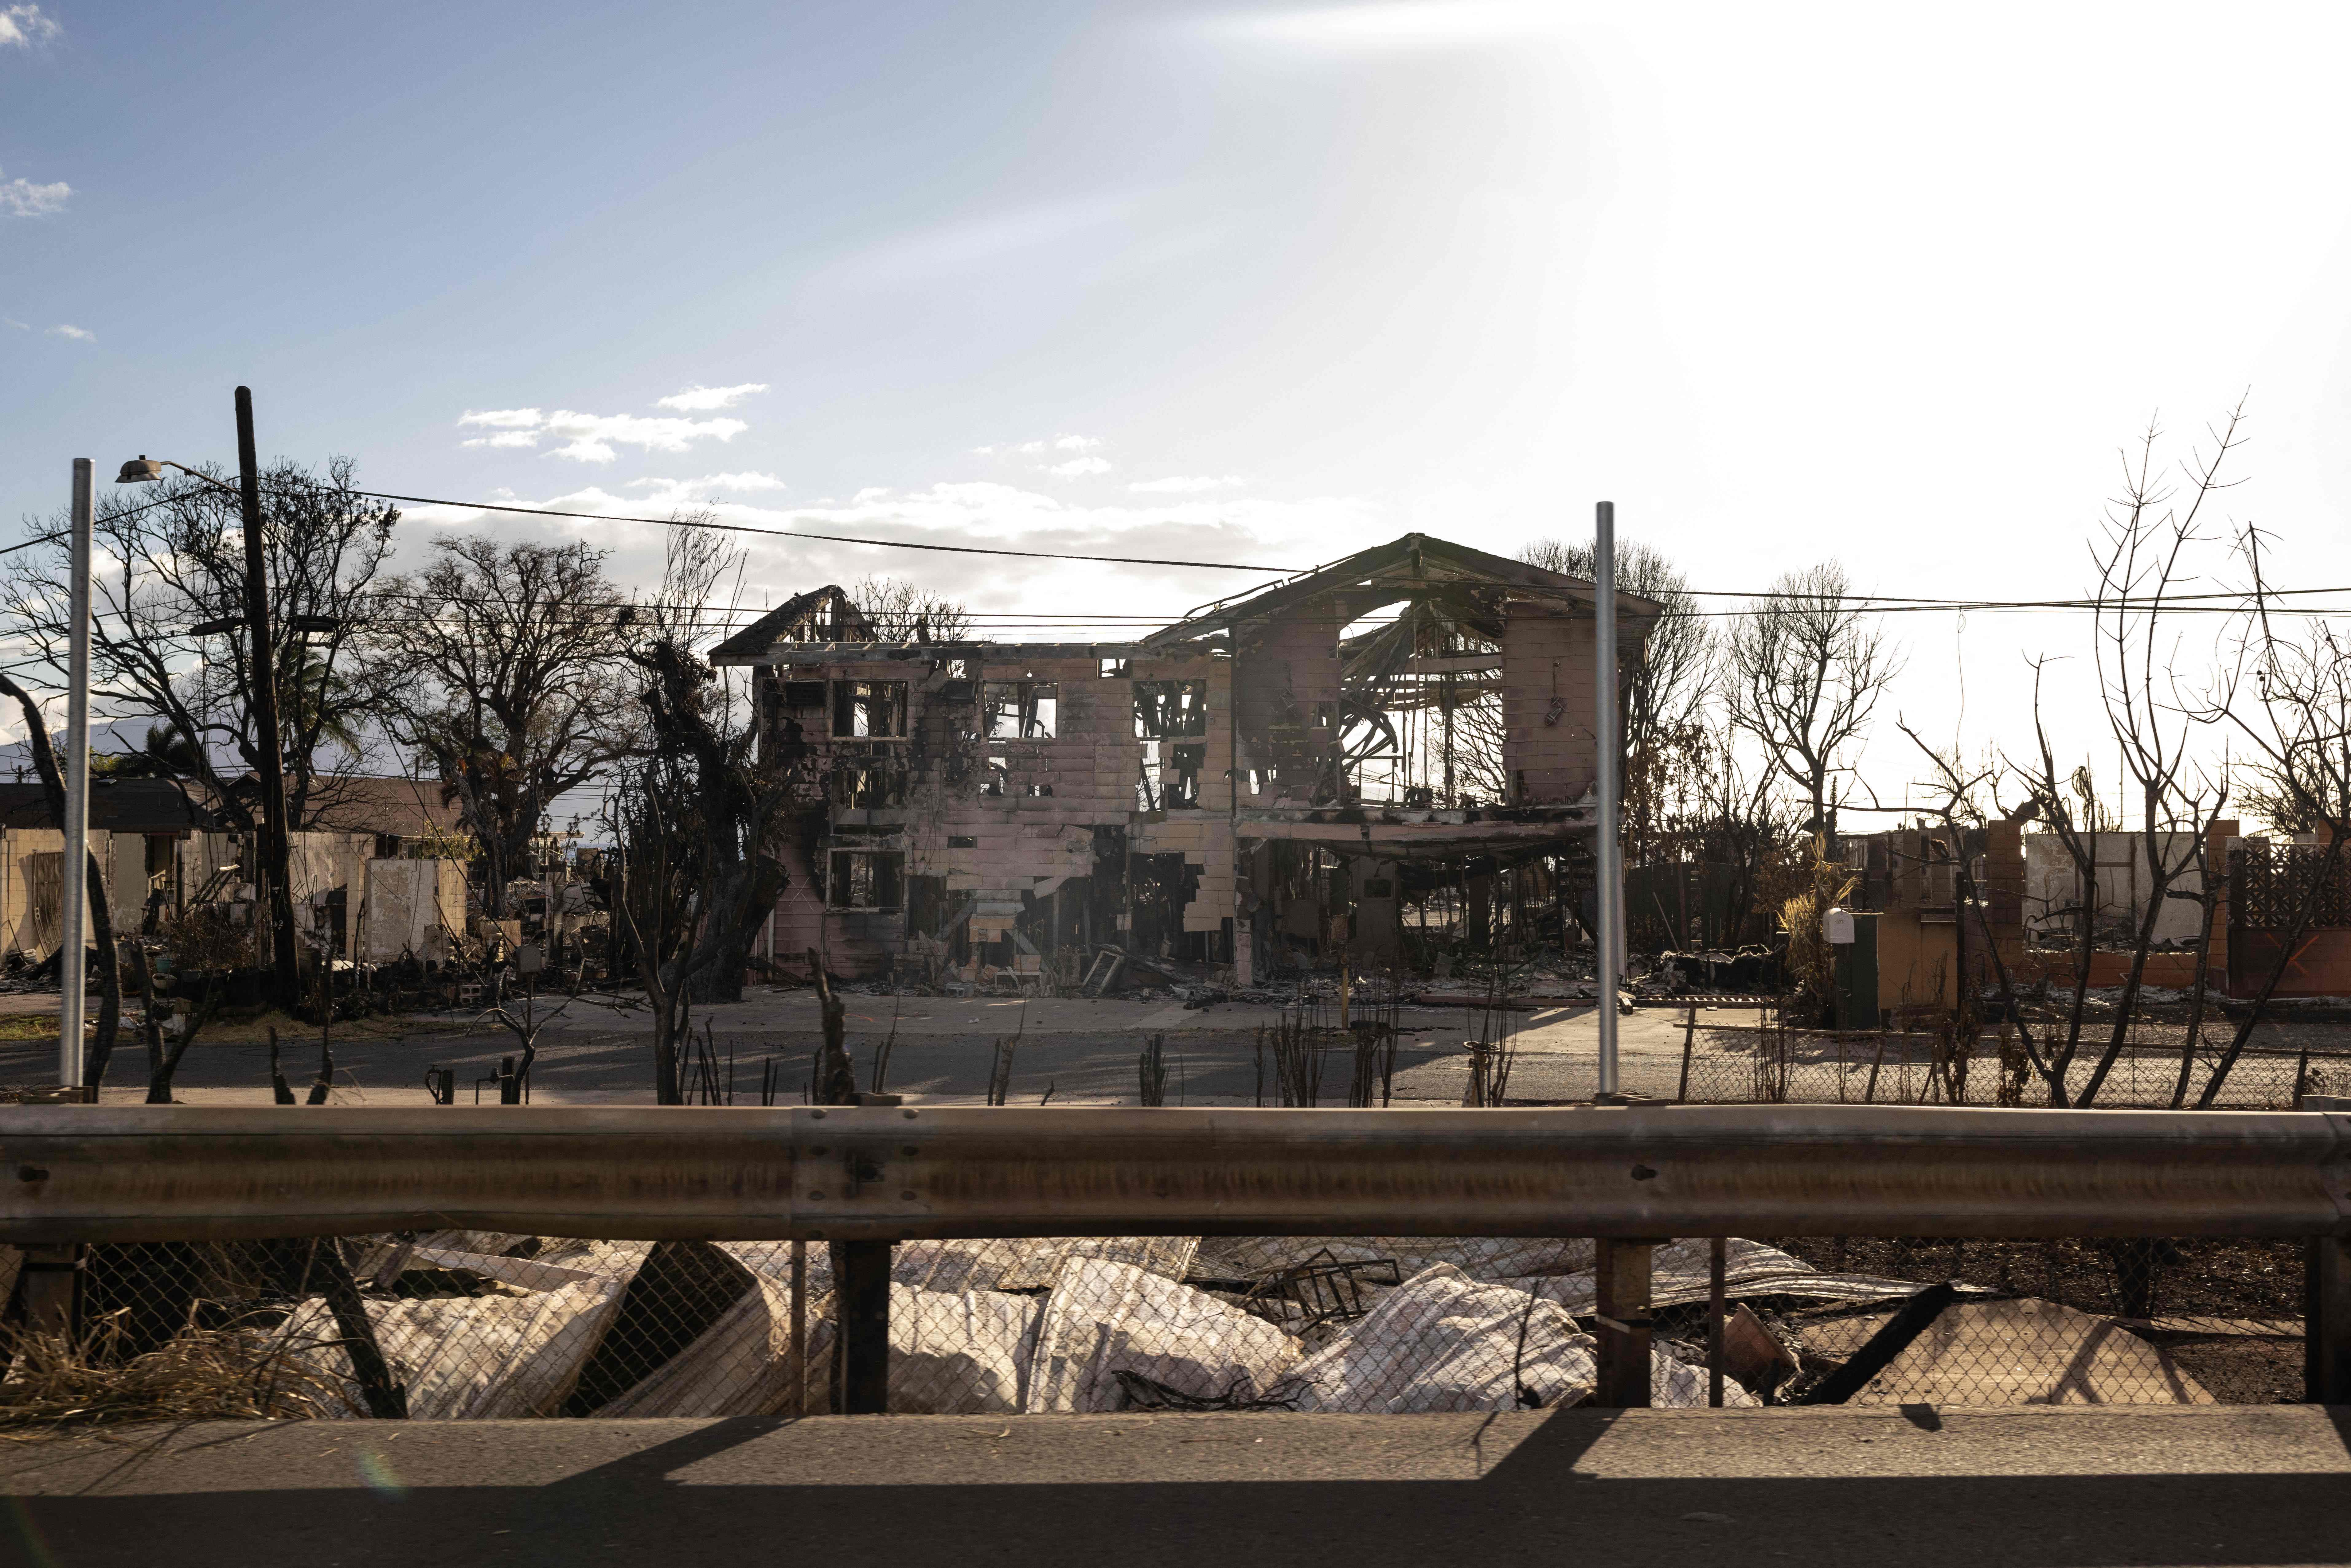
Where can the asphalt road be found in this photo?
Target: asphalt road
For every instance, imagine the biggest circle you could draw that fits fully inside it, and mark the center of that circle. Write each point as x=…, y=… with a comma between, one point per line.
x=1079, y=1052
x=1917, y=1486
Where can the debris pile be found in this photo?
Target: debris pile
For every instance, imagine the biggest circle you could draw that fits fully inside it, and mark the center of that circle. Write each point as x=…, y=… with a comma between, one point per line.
x=485, y=1325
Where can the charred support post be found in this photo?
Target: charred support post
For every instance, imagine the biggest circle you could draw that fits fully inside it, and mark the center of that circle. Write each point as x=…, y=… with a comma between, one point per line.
x=1623, y=1270
x=862, y=1279
x=800, y=1364
x=2326, y=1324
x=861, y=1270
x=268, y=740
x=1717, y=1255
x=387, y=1397
x=1916, y=1316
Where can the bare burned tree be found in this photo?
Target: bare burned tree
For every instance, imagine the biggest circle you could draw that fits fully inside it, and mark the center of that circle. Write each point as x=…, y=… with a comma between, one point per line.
x=692, y=815
x=1739, y=820
x=510, y=655
x=903, y=610
x=167, y=614
x=2289, y=697
x=101, y=912
x=1967, y=801
x=2067, y=805
x=2266, y=794
x=2140, y=562
x=1805, y=669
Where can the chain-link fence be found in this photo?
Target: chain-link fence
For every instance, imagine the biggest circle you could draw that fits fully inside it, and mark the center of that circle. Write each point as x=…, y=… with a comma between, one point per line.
x=1766, y=1065
x=457, y=1325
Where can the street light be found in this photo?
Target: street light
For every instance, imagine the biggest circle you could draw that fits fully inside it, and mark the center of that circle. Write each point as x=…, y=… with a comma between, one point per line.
x=143, y=470
x=73, y=966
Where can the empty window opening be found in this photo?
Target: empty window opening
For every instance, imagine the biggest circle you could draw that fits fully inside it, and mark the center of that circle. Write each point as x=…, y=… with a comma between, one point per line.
x=867, y=783
x=1020, y=710
x=1164, y=710
x=1171, y=774
x=997, y=777
x=869, y=710
x=867, y=879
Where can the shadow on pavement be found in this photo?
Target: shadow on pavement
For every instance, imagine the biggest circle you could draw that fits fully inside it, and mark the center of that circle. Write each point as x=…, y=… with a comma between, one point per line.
x=1533, y=1503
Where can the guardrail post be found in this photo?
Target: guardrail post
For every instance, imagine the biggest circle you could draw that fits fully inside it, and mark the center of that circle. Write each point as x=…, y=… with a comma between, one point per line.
x=51, y=1290
x=1622, y=1272
x=2327, y=1321
x=861, y=1270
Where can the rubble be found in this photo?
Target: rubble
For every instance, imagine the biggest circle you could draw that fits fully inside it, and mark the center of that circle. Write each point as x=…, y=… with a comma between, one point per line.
x=1041, y=1324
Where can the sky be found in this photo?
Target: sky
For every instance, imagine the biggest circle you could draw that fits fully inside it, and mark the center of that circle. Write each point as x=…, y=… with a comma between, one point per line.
x=1238, y=284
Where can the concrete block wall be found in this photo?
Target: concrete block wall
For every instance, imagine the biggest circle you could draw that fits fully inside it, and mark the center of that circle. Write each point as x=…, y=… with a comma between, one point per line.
x=1547, y=651
x=1203, y=835
x=1021, y=843
x=1284, y=668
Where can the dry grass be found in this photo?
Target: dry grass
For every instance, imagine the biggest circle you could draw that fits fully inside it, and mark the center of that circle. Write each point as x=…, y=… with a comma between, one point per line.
x=56, y=1384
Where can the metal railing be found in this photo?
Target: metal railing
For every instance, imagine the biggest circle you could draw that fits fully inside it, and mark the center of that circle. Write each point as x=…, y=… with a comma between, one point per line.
x=864, y=1179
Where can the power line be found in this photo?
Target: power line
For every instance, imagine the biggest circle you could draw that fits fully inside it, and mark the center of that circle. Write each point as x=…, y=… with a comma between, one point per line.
x=1886, y=604
x=829, y=538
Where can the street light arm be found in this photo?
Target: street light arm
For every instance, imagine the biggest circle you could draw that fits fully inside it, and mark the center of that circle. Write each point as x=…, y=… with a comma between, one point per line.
x=145, y=470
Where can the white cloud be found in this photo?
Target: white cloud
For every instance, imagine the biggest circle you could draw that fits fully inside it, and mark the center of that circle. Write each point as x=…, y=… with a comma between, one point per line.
x=1032, y=448
x=635, y=430
x=1078, y=466
x=707, y=484
x=1190, y=486
x=12, y=321
x=21, y=26
x=592, y=437
x=21, y=198
x=77, y=334
x=703, y=400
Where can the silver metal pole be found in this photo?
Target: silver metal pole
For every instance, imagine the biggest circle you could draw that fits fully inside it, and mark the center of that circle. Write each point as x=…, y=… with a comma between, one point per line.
x=1611, y=873
x=73, y=863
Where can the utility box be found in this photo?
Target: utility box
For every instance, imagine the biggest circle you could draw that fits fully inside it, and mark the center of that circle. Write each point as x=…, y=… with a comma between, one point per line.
x=1856, y=970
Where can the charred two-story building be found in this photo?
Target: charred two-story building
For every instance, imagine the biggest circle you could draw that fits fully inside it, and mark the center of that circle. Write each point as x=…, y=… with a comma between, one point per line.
x=1263, y=781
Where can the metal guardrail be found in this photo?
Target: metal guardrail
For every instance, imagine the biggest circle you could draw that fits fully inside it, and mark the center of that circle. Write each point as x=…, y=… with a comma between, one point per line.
x=862, y=1177
x=78, y=1173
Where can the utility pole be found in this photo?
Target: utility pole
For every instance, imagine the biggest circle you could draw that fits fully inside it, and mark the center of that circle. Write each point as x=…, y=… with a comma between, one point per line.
x=73, y=967
x=274, y=849
x=1606, y=852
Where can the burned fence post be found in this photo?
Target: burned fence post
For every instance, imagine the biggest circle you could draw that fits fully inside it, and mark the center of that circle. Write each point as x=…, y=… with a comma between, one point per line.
x=1717, y=1250
x=2327, y=1321
x=50, y=1288
x=862, y=1281
x=1690, y=1039
x=800, y=1340
x=1623, y=1272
